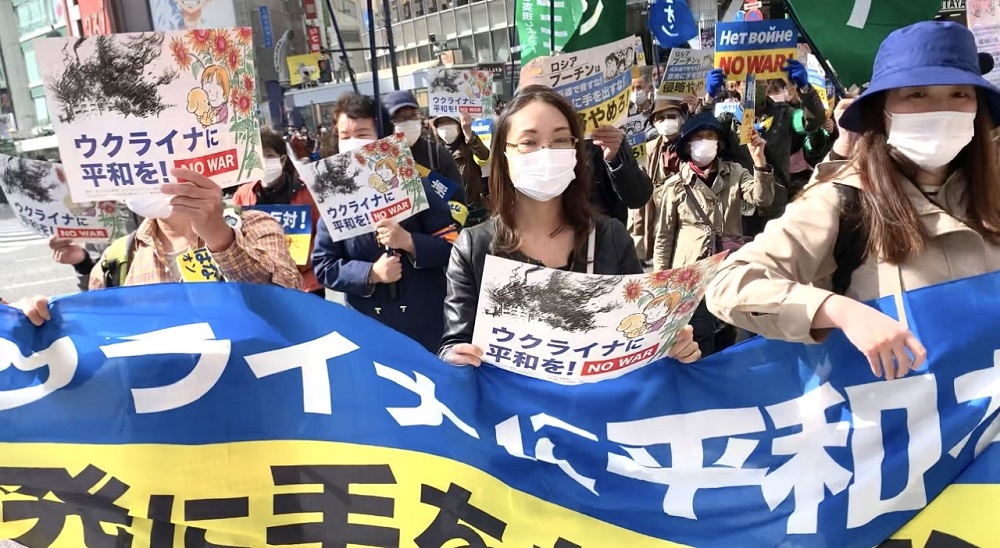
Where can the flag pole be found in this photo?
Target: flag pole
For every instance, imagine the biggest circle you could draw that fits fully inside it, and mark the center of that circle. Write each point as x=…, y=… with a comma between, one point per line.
x=552, y=26
x=373, y=51
x=830, y=73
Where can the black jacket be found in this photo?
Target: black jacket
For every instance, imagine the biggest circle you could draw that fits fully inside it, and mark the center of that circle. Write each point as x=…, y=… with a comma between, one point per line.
x=614, y=255
x=438, y=158
x=626, y=187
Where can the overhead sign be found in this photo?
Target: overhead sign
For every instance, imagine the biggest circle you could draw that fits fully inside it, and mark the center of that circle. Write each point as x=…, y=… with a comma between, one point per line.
x=952, y=6
x=753, y=15
x=265, y=26
x=94, y=17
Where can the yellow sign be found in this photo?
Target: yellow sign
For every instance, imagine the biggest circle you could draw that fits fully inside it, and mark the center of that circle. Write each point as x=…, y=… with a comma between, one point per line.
x=266, y=493
x=299, y=247
x=198, y=266
x=301, y=66
x=963, y=512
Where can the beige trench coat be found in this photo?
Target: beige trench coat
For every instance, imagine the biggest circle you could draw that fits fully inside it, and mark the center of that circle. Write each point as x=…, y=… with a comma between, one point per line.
x=683, y=235
x=775, y=285
x=642, y=221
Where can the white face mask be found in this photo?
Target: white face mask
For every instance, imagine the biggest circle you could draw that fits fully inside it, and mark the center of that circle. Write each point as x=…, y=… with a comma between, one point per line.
x=352, y=144
x=151, y=206
x=931, y=139
x=639, y=97
x=668, y=127
x=448, y=133
x=544, y=174
x=704, y=151
x=780, y=97
x=411, y=130
x=273, y=169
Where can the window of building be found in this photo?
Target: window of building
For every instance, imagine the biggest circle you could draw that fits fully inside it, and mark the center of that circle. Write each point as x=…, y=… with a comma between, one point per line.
x=34, y=77
x=501, y=46
x=418, y=8
x=499, y=12
x=468, y=47
x=41, y=111
x=484, y=52
x=34, y=15
x=463, y=19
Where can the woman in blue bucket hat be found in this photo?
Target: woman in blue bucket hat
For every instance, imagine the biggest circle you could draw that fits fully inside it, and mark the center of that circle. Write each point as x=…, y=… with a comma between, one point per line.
x=914, y=201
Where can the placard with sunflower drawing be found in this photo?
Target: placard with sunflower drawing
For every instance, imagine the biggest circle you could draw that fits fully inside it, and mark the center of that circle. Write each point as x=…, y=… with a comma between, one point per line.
x=354, y=190
x=575, y=328
x=129, y=108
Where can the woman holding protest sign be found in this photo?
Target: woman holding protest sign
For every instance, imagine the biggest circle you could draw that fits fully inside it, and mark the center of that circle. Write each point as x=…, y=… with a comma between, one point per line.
x=916, y=203
x=281, y=186
x=540, y=194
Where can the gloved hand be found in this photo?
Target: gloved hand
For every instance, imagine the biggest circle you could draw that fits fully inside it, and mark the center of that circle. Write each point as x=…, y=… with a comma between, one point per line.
x=714, y=82
x=797, y=74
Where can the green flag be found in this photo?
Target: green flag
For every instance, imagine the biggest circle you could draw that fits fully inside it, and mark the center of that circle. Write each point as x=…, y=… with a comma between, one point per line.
x=848, y=32
x=603, y=22
x=533, y=19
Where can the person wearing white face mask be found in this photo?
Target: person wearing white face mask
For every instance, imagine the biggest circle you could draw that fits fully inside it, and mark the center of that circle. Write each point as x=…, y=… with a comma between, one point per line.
x=469, y=152
x=404, y=115
x=185, y=218
x=913, y=201
x=667, y=117
x=701, y=205
x=396, y=274
x=539, y=192
x=642, y=96
x=281, y=185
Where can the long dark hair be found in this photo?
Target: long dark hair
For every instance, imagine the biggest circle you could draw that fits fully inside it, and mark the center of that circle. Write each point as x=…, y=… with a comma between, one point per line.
x=273, y=140
x=892, y=223
x=578, y=214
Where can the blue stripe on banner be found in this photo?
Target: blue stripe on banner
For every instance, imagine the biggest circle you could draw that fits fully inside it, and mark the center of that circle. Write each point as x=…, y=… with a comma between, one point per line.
x=766, y=444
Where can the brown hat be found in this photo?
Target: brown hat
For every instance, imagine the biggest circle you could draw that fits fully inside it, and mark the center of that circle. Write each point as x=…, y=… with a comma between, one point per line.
x=660, y=104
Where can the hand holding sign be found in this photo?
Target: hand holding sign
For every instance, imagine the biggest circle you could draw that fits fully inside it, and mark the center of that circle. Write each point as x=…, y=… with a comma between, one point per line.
x=386, y=270
x=388, y=233
x=756, y=147
x=714, y=82
x=797, y=74
x=200, y=201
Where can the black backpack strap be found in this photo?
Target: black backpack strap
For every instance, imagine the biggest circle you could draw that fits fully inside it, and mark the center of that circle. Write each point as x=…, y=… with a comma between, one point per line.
x=851, y=247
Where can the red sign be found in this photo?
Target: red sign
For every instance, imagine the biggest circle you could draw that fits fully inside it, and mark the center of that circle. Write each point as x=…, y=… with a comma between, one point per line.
x=753, y=15
x=310, y=7
x=94, y=17
x=212, y=164
x=313, y=37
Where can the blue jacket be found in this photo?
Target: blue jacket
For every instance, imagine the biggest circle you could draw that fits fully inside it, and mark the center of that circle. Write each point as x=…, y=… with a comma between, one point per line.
x=418, y=309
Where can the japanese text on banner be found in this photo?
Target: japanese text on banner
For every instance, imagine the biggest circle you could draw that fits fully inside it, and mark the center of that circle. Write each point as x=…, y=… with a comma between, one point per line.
x=761, y=48
x=354, y=190
x=190, y=103
x=297, y=223
x=573, y=328
x=597, y=81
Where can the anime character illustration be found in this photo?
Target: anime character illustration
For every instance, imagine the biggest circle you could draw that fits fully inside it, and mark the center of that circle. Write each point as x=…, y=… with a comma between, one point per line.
x=210, y=102
x=652, y=318
x=197, y=104
x=191, y=13
x=384, y=179
x=617, y=63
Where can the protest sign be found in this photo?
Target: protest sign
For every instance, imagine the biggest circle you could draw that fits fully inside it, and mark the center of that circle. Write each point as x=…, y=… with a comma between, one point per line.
x=323, y=419
x=453, y=92
x=296, y=221
x=203, y=14
x=129, y=108
x=748, y=122
x=597, y=81
x=444, y=188
x=684, y=76
x=198, y=266
x=640, y=52
x=817, y=76
x=636, y=134
x=354, y=190
x=39, y=195
x=761, y=48
x=733, y=107
x=483, y=128
x=984, y=22
x=574, y=328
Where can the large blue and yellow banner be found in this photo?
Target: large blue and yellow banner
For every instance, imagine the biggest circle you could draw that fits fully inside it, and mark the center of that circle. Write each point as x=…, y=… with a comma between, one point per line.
x=229, y=415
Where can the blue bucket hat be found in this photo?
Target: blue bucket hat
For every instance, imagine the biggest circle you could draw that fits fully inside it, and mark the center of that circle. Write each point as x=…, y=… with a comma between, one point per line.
x=395, y=100
x=694, y=124
x=930, y=53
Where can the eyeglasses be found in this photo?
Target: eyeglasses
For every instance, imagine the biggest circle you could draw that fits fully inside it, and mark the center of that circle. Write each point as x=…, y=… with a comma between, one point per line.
x=527, y=146
x=665, y=116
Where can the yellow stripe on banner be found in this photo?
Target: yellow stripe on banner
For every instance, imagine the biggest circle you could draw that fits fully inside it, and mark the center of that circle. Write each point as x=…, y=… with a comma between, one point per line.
x=605, y=114
x=639, y=153
x=423, y=171
x=964, y=511
x=764, y=63
x=387, y=482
